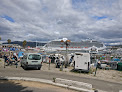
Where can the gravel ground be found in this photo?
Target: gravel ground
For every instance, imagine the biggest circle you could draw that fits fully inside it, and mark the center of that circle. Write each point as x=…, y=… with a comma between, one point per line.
x=107, y=75
x=1, y=62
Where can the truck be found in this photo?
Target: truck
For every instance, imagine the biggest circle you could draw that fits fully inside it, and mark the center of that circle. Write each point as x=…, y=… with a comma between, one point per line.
x=82, y=61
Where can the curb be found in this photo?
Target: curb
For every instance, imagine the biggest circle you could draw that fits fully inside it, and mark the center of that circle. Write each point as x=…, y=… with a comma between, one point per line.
x=47, y=82
x=73, y=83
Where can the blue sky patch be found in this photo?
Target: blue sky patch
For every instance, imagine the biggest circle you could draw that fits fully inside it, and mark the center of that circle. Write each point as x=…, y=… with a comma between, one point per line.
x=99, y=18
x=8, y=18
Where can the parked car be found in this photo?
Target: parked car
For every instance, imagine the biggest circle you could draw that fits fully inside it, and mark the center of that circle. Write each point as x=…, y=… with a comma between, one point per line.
x=31, y=60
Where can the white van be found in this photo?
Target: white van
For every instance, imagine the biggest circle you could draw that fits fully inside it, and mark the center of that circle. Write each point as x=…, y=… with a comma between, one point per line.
x=31, y=60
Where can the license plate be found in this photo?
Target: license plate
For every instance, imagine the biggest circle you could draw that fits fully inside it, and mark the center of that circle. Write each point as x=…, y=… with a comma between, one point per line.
x=34, y=61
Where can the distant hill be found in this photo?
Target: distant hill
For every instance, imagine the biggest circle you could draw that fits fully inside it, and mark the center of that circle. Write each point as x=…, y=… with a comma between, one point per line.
x=31, y=44
x=118, y=46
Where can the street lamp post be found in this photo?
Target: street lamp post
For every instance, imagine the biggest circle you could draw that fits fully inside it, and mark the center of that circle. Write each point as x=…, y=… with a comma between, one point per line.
x=67, y=43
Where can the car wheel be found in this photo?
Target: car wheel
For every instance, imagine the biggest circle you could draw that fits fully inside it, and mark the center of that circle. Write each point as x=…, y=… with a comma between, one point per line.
x=25, y=68
x=39, y=68
x=21, y=65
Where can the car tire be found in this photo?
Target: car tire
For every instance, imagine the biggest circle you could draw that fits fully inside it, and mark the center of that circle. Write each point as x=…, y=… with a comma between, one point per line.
x=39, y=68
x=25, y=68
x=21, y=65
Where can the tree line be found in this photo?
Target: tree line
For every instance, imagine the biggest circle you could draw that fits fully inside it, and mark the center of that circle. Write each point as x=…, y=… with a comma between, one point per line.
x=23, y=43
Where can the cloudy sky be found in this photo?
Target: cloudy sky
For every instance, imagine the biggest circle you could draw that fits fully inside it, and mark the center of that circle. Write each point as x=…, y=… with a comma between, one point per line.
x=45, y=20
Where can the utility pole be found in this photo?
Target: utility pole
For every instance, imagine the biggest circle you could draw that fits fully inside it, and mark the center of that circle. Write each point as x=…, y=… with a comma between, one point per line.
x=67, y=43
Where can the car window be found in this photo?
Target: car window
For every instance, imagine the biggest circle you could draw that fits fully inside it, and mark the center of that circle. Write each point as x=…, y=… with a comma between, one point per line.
x=34, y=57
x=25, y=57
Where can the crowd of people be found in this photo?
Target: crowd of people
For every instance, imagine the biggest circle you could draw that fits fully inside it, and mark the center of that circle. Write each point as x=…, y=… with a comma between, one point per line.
x=11, y=58
x=59, y=60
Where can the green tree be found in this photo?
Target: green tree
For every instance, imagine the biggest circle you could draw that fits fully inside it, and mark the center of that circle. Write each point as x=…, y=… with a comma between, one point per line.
x=9, y=41
x=24, y=43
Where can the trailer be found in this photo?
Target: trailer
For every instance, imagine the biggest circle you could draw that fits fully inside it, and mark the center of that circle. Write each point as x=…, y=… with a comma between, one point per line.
x=82, y=61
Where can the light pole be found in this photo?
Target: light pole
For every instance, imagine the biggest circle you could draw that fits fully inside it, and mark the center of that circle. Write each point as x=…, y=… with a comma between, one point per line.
x=67, y=43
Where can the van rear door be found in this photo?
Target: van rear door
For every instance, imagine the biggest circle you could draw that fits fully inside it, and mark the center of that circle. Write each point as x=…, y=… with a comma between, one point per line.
x=34, y=59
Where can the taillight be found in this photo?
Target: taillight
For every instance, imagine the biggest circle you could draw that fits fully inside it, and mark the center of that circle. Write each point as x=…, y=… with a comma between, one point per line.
x=41, y=62
x=26, y=62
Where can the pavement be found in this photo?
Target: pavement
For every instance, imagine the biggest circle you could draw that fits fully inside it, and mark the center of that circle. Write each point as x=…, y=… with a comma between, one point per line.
x=56, y=83
x=45, y=73
x=29, y=86
x=83, y=87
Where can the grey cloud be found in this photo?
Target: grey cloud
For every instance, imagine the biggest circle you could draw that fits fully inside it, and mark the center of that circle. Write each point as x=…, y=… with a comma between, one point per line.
x=47, y=20
x=110, y=34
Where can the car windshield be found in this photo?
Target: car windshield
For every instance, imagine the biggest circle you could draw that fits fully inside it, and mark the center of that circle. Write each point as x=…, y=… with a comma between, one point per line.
x=34, y=57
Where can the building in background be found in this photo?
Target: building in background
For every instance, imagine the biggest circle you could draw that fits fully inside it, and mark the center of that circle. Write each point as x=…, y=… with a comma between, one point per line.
x=10, y=47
